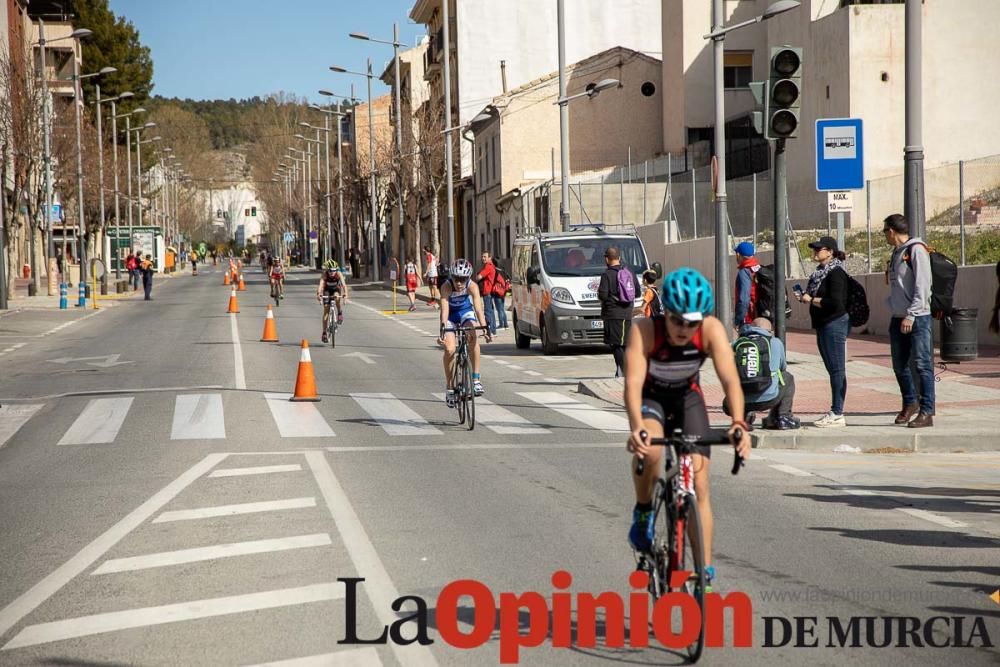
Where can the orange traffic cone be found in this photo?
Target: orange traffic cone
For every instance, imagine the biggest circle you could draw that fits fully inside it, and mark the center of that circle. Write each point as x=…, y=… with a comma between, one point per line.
x=305, y=381
x=225, y=279
x=270, y=328
x=234, y=307
x=243, y=286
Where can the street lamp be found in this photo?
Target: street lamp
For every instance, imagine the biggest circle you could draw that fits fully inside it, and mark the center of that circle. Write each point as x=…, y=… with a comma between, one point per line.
x=138, y=166
x=724, y=299
x=81, y=235
x=128, y=162
x=309, y=179
x=373, y=230
x=340, y=170
x=395, y=44
x=100, y=156
x=328, y=249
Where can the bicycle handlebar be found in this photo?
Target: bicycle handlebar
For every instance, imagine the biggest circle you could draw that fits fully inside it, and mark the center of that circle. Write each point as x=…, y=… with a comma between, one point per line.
x=680, y=442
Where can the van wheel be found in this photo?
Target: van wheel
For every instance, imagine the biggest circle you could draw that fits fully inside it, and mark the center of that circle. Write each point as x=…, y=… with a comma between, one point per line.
x=521, y=341
x=548, y=345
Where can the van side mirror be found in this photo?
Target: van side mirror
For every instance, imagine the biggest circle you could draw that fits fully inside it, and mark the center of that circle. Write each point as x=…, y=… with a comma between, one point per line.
x=658, y=269
x=532, y=275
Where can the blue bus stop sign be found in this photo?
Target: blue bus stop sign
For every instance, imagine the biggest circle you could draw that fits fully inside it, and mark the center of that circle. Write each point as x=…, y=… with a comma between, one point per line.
x=840, y=155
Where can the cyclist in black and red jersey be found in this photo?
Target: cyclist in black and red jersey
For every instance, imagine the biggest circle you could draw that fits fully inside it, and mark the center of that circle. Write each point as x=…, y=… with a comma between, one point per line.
x=663, y=360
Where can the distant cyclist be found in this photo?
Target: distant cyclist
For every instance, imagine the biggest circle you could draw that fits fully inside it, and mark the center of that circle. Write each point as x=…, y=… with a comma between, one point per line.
x=277, y=278
x=663, y=360
x=332, y=284
x=461, y=306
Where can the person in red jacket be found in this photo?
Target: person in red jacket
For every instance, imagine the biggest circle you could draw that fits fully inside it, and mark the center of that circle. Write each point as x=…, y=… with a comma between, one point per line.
x=485, y=278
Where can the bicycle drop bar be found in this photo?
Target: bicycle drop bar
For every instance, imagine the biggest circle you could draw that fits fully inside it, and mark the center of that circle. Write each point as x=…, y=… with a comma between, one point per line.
x=680, y=442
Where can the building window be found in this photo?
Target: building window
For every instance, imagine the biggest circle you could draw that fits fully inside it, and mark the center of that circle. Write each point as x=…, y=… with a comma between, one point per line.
x=737, y=69
x=493, y=142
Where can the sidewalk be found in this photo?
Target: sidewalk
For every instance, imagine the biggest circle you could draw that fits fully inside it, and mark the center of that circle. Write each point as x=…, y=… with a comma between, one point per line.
x=967, y=398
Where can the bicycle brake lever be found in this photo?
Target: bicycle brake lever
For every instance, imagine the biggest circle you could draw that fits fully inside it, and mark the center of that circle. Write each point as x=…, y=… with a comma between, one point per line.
x=640, y=466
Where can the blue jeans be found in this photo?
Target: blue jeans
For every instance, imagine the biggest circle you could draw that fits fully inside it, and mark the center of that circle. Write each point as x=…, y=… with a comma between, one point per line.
x=498, y=303
x=918, y=347
x=831, y=338
x=488, y=307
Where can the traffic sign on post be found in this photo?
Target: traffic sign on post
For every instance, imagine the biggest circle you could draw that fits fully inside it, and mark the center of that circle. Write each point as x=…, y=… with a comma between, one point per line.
x=840, y=155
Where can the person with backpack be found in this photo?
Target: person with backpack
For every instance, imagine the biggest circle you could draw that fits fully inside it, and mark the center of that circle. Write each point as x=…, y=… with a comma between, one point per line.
x=651, y=306
x=826, y=295
x=767, y=384
x=485, y=279
x=501, y=285
x=747, y=268
x=910, y=337
x=616, y=292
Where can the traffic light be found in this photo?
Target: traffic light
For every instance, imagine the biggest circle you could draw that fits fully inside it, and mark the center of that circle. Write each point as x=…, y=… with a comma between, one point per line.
x=759, y=115
x=784, y=93
x=253, y=211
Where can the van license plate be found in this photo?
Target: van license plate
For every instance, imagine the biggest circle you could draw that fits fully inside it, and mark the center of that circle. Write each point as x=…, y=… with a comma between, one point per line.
x=597, y=324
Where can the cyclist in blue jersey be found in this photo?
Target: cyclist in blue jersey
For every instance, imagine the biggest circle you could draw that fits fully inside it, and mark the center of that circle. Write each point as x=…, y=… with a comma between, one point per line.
x=663, y=359
x=461, y=306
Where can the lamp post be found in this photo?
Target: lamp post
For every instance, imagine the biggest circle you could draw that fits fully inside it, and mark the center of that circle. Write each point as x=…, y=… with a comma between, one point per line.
x=78, y=34
x=723, y=290
x=328, y=249
x=399, y=128
x=340, y=172
x=304, y=160
x=138, y=167
x=80, y=231
x=114, y=143
x=373, y=226
x=100, y=157
x=128, y=164
x=318, y=163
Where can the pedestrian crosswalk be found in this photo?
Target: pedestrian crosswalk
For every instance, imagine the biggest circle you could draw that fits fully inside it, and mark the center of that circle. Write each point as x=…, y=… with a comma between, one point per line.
x=201, y=416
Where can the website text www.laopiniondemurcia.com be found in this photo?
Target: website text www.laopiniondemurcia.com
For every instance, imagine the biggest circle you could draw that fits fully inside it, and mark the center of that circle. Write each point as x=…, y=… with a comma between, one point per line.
x=526, y=620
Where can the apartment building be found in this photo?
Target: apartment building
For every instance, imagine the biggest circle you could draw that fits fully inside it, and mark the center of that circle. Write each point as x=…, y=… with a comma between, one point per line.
x=853, y=65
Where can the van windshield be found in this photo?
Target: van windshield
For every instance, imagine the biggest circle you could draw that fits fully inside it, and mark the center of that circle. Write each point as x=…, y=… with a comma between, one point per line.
x=585, y=256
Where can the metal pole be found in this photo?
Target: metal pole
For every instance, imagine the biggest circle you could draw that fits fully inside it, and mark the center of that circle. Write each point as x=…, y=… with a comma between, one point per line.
x=621, y=199
x=961, y=209
x=329, y=204
x=563, y=118
x=374, y=230
x=340, y=188
x=694, y=201
x=128, y=174
x=754, y=239
x=779, y=238
x=841, y=241
x=47, y=139
x=118, y=220
x=3, y=266
x=81, y=240
x=645, y=184
x=868, y=210
x=913, y=160
x=100, y=168
x=138, y=175
x=399, y=143
x=723, y=290
x=450, y=195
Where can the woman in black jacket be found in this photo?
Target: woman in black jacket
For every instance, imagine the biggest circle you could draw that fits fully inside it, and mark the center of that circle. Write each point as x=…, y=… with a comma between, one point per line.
x=826, y=295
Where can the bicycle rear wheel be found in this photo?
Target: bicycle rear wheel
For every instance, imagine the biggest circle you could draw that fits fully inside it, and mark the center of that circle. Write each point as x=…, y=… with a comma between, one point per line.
x=332, y=324
x=662, y=538
x=458, y=387
x=688, y=554
x=470, y=394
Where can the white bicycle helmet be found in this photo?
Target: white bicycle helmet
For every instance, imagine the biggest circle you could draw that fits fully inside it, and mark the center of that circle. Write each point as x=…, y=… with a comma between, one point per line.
x=461, y=268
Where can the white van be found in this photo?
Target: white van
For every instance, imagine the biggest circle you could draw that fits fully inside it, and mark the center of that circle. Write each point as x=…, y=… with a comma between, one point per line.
x=554, y=281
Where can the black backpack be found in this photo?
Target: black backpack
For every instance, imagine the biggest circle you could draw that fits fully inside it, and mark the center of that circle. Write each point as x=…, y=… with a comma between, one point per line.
x=764, y=301
x=857, y=303
x=944, y=275
x=753, y=362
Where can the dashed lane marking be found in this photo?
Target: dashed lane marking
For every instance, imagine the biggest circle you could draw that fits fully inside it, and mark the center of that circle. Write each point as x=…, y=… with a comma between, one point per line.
x=791, y=471
x=233, y=510
x=256, y=470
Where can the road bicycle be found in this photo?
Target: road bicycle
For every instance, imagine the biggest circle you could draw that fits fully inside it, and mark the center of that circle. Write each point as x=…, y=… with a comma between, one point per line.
x=461, y=377
x=677, y=542
x=331, y=319
x=276, y=292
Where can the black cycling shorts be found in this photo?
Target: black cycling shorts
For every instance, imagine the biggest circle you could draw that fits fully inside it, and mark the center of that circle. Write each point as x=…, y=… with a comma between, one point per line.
x=684, y=410
x=339, y=289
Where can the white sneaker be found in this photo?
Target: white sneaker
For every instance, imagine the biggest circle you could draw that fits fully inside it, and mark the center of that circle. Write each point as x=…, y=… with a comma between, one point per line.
x=830, y=420
x=450, y=398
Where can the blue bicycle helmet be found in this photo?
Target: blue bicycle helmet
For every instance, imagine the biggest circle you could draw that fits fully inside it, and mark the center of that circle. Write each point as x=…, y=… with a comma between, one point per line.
x=687, y=293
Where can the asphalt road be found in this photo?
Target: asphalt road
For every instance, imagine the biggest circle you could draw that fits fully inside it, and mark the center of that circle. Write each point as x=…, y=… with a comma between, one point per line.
x=168, y=506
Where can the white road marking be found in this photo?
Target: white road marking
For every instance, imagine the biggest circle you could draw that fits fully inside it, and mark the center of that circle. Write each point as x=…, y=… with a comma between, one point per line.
x=231, y=510
x=514, y=367
x=13, y=417
x=99, y=422
x=297, y=420
x=198, y=417
x=791, y=471
x=933, y=518
x=394, y=416
x=241, y=378
x=379, y=587
x=84, y=626
x=465, y=447
x=360, y=657
x=533, y=373
x=166, y=558
x=860, y=492
x=28, y=601
x=501, y=420
x=584, y=413
x=551, y=380
x=502, y=362
x=257, y=470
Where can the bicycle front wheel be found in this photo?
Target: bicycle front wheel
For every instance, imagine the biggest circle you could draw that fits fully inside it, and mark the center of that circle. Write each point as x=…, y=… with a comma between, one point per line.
x=459, y=387
x=470, y=394
x=690, y=556
x=332, y=325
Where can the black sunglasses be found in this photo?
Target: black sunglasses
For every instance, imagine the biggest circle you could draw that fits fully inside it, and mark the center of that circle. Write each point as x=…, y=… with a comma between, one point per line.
x=681, y=322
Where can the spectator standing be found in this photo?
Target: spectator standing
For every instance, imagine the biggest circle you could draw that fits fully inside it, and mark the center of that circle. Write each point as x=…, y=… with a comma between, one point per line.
x=826, y=295
x=746, y=287
x=651, y=306
x=431, y=274
x=132, y=266
x=778, y=396
x=501, y=283
x=486, y=278
x=995, y=317
x=616, y=312
x=412, y=275
x=910, y=337
x=354, y=260
x=146, y=267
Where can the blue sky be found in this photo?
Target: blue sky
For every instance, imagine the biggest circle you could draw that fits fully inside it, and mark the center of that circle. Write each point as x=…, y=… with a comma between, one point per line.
x=208, y=49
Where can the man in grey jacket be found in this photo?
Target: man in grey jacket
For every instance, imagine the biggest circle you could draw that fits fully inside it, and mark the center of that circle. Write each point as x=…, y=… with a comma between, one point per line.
x=910, y=337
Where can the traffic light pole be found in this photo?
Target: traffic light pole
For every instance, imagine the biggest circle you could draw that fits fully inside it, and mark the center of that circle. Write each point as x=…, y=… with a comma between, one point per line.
x=723, y=290
x=780, y=208
x=913, y=160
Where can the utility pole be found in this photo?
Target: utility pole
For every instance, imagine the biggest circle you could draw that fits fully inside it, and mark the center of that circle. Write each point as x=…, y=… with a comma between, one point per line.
x=780, y=246
x=399, y=144
x=447, y=126
x=563, y=120
x=913, y=160
x=723, y=290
